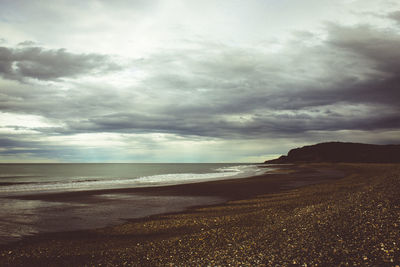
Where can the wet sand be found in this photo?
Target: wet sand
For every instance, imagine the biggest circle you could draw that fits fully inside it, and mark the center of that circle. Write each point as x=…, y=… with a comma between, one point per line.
x=349, y=215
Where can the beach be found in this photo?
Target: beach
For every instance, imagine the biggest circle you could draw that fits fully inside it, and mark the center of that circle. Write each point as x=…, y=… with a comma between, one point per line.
x=302, y=215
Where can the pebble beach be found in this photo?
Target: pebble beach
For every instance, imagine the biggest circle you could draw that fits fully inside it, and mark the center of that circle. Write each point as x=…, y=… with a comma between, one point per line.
x=351, y=220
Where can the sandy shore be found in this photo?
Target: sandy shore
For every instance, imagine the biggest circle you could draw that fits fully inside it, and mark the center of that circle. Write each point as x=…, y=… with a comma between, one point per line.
x=278, y=219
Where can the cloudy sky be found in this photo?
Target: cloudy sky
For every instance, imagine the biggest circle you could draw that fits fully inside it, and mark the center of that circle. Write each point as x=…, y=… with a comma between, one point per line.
x=194, y=81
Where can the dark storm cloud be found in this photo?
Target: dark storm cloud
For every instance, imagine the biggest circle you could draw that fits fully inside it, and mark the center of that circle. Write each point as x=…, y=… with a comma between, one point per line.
x=12, y=145
x=47, y=64
x=21, y=146
x=354, y=66
x=7, y=142
x=348, y=81
x=342, y=68
x=267, y=124
x=395, y=15
x=377, y=45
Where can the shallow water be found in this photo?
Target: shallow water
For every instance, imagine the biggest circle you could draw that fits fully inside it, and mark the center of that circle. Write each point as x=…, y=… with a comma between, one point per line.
x=22, y=217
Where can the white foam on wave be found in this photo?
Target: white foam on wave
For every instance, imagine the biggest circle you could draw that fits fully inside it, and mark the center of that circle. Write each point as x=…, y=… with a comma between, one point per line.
x=184, y=177
x=151, y=180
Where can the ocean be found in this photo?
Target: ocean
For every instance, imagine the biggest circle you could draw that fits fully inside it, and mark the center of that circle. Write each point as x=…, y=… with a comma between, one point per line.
x=24, y=212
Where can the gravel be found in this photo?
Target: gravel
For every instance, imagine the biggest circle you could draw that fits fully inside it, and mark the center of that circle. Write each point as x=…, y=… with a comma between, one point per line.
x=354, y=221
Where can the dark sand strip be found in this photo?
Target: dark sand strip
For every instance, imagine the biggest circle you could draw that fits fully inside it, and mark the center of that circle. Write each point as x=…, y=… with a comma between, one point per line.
x=354, y=220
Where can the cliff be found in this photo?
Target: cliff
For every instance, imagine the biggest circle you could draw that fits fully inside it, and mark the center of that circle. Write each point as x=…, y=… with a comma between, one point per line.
x=342, y=152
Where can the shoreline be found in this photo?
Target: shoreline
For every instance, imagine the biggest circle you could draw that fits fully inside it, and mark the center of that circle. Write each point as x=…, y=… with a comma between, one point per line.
x=111, y=207
x=282, y=177
x=231, y=232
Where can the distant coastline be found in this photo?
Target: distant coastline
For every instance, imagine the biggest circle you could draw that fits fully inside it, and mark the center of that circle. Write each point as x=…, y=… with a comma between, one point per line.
x=335, y=152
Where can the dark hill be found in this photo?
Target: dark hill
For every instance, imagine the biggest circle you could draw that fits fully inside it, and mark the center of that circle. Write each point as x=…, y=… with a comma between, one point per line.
x=342, y=152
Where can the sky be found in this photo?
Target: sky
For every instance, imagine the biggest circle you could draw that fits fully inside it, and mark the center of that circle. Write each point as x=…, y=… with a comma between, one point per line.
x=195, y=81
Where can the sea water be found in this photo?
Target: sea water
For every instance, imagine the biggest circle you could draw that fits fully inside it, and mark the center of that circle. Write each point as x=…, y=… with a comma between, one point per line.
x=21, y=214
x=20, y=179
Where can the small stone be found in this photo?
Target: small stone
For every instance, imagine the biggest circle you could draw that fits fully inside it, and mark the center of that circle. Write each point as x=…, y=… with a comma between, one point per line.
x=365, y=258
